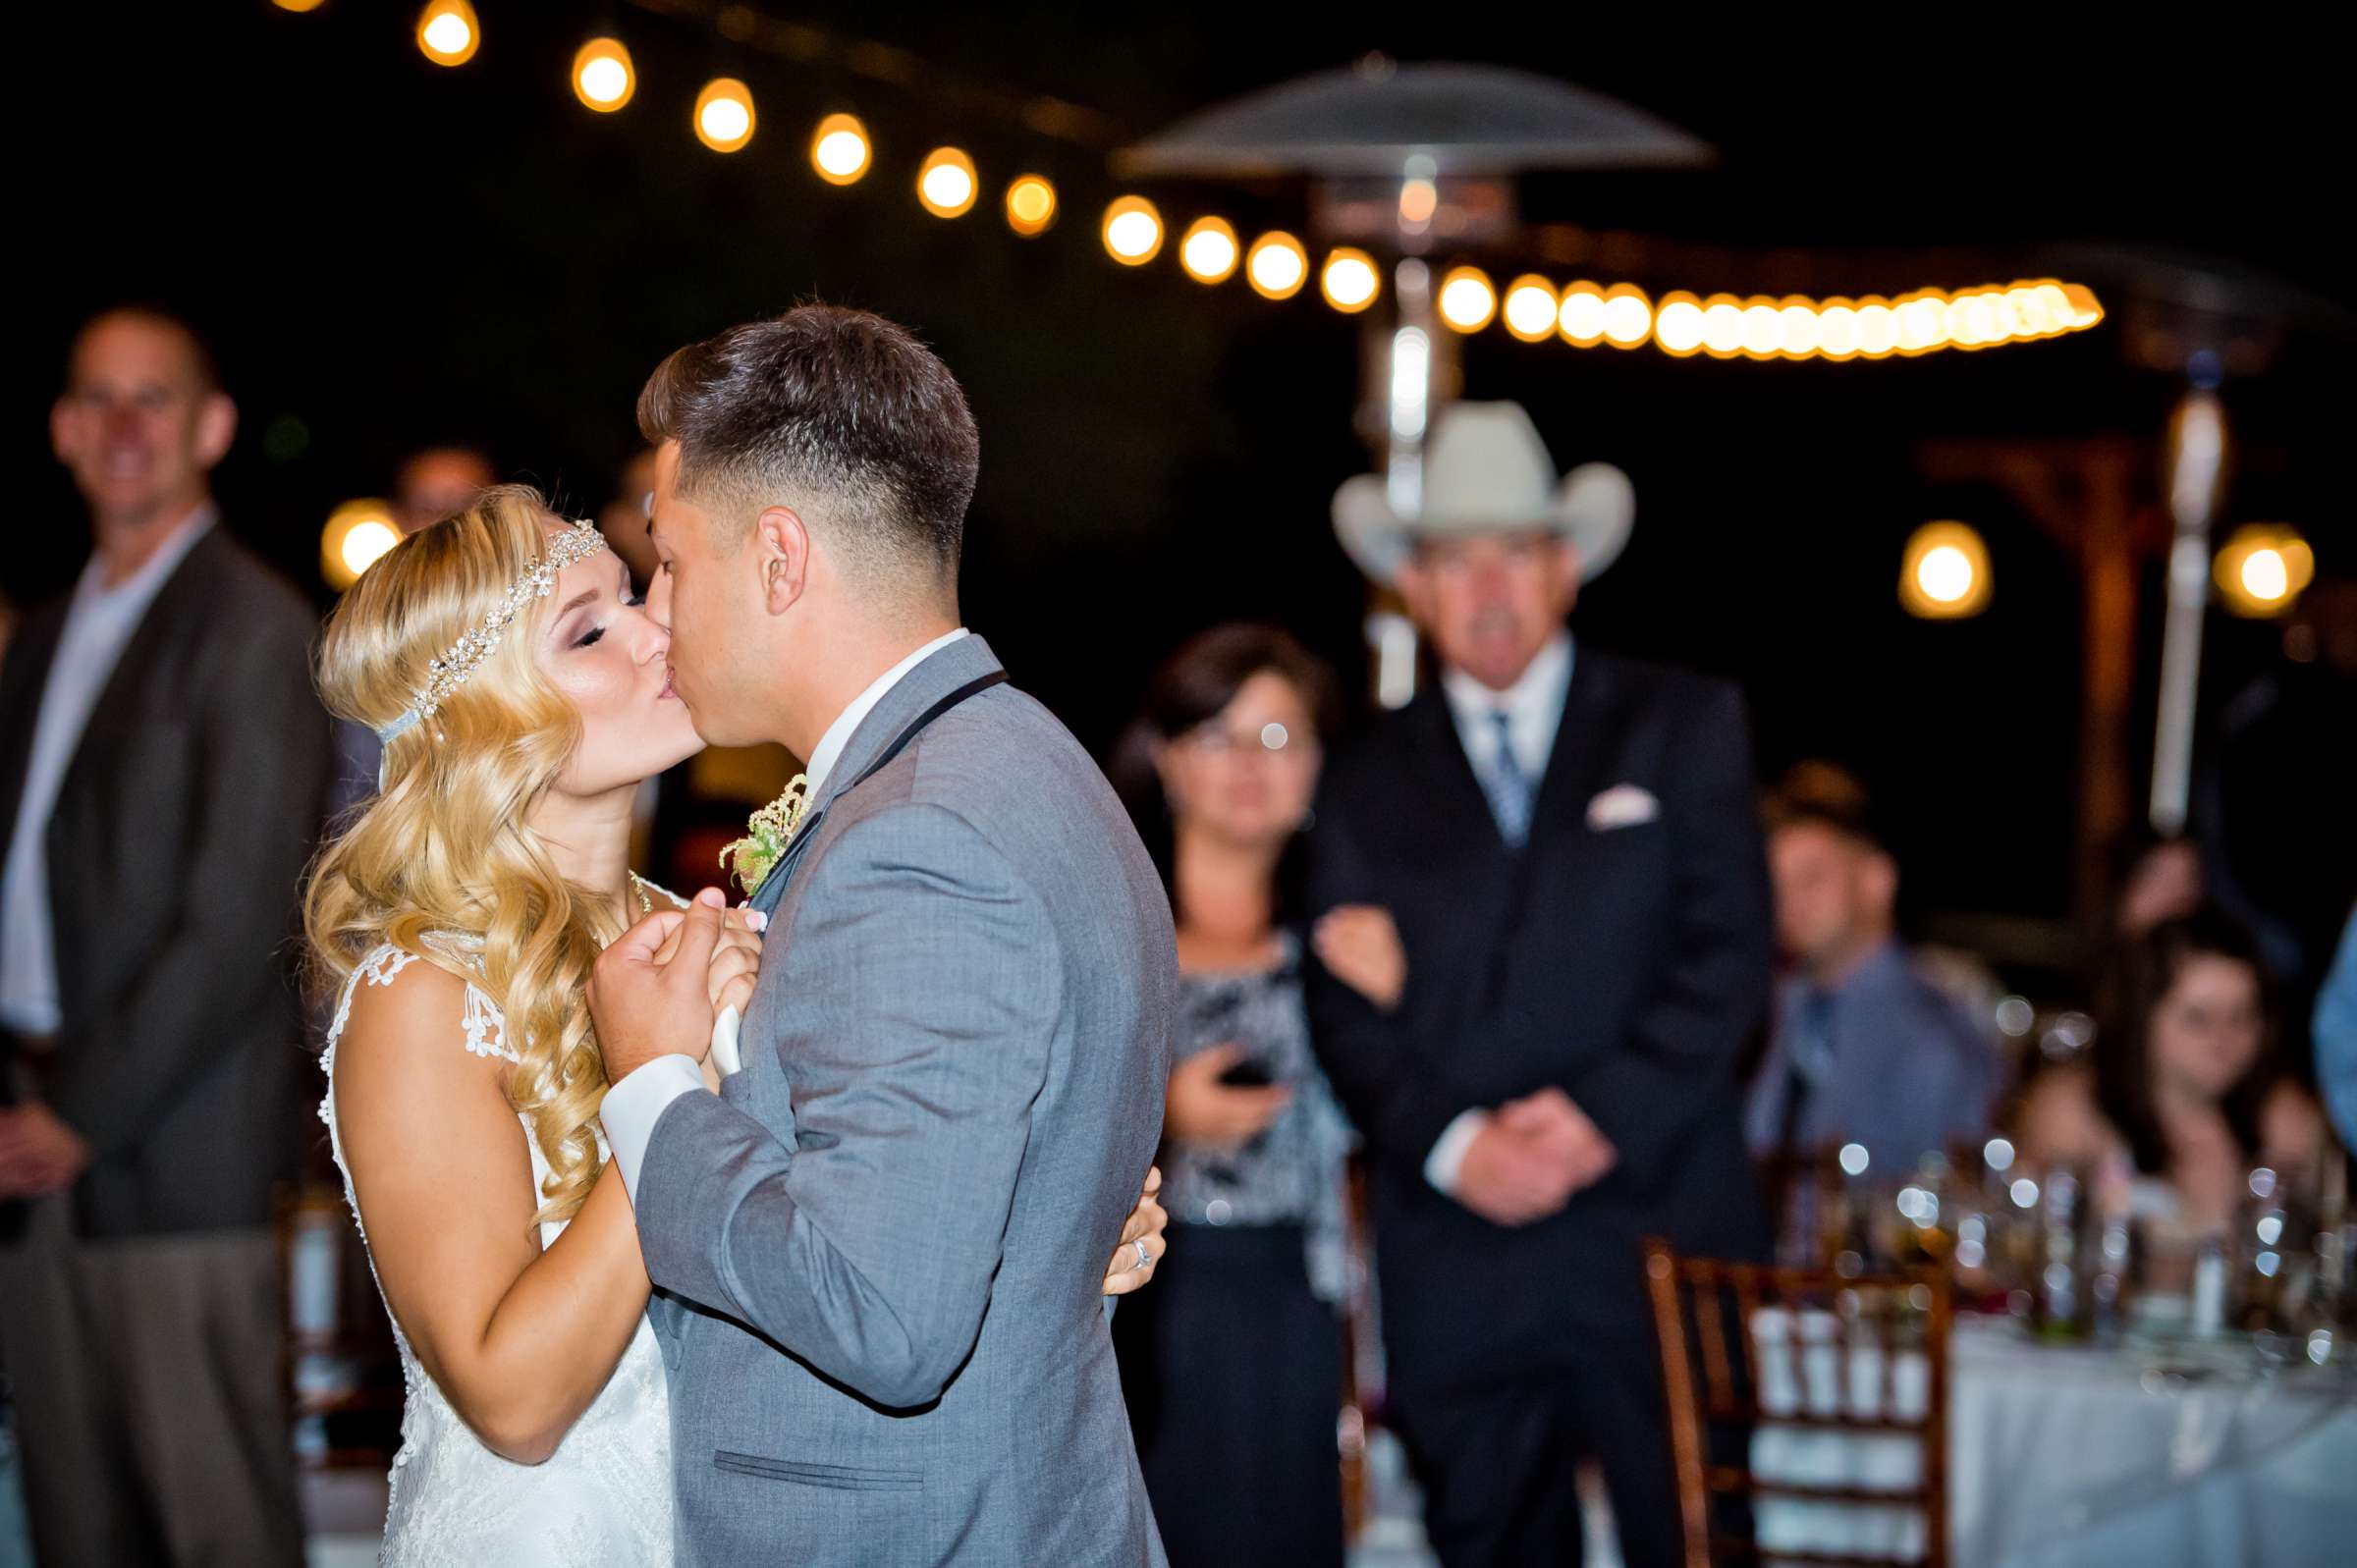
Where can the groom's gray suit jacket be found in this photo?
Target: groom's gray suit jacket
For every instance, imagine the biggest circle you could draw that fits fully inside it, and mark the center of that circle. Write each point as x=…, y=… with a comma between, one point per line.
x=883, y=1240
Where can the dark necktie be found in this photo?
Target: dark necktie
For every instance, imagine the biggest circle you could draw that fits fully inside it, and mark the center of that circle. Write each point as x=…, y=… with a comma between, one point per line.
x=1506, y=785
x=1809, y=1063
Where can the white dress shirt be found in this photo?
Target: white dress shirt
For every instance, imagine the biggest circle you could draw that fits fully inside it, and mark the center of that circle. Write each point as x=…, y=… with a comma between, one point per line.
x=99, y=626
x=634, y=1106
x=1534, y=710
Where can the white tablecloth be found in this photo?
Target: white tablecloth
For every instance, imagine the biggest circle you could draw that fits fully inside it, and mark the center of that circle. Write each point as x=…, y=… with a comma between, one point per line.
x=2065, y=1457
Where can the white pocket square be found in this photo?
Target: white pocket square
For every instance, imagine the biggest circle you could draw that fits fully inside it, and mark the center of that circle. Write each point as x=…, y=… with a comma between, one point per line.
x=1623, y=806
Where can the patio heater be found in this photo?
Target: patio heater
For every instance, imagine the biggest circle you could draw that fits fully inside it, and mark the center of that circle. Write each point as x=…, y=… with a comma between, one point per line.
x=1405, y=161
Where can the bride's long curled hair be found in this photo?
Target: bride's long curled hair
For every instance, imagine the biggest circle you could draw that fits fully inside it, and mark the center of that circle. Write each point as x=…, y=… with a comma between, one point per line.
x=442, y=860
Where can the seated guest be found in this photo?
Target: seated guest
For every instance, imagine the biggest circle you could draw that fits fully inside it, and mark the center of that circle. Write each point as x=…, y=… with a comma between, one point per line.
x=1234, y=1375
x=1866, y=1048
x=2186, y=1089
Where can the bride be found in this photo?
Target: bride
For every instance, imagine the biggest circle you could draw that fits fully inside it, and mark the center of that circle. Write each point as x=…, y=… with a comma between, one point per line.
x=522, y=694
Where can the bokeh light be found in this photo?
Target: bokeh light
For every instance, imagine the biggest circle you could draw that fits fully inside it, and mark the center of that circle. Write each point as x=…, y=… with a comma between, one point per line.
x=448, y=34
x=1349, y=281
x=356, y=536
x=1469, y=301
x=602, y=76
x=1030, y=204
x=724, y=113
x=839, y=149
x=1209, y=251
x=1277, y=266
x=1529, y=308
x=1132, y=231
x=945, y=186
x=2261, y=568
x=1945, y=572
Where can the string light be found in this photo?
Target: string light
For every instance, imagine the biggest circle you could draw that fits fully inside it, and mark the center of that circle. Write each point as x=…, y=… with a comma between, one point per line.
x=1132, y=231
x=1677, y=325
x=724, y=113
x=602, y=77
x=356, y=536
x=839, y=149
x=1349, y=281
x=1030, y=204
x=1945, y=572
x=1627, y=315
x=1277, y=266
x=2261, y=568
x=1530, y=309
x=946, y=185
x=1579, y=316
x=1467, y=301
x=1210, y=250
x=448, y=34
x=299, y=6
x=1723, y=326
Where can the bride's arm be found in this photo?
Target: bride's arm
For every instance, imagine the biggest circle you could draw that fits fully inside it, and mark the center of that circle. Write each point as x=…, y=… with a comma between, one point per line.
x=519, y=1341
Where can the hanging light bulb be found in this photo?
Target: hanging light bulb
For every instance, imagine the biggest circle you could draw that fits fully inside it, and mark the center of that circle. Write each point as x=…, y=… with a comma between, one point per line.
x=602, y=77
x=448, y=34
x=840, y=150
x=1627, y=315
x=1467, y=300
x=356, y=536
x=1132, y=231
x=1276, y=265
x=1945, y=573
x=1030, y=204
x=946, y=186
x=1209, y=251
x=1530, y=309
x=1349, y=281
x=2261, y=568
x=724, y=113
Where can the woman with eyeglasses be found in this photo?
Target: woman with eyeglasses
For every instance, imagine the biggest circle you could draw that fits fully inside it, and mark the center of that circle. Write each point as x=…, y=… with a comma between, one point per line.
x=1234, y=1371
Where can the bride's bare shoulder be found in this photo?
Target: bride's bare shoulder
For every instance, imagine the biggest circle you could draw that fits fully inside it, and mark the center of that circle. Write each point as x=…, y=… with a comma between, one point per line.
x=408, y=1014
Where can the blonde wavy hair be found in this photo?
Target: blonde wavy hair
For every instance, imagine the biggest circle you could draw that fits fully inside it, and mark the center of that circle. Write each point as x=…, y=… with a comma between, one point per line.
x=442, y=860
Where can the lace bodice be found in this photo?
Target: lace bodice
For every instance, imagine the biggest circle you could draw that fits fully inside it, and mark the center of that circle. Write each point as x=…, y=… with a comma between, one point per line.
x=604, y=1497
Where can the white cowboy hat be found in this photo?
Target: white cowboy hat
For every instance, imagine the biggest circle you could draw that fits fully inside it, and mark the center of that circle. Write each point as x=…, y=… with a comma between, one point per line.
x=1487, y=472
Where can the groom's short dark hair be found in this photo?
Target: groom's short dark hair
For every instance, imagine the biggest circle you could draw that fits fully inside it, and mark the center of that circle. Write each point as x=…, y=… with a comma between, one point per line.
x=841, y=414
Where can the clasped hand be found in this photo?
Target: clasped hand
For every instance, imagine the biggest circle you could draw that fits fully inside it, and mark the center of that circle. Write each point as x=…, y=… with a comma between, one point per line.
x=657, y=990
x=1530, y=1156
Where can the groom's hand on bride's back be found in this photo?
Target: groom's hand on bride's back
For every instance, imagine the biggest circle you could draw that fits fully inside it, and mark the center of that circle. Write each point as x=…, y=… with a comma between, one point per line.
x=650, y=995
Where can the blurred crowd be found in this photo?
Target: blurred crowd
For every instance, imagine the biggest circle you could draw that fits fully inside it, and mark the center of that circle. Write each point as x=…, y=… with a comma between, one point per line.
x=1479, y=994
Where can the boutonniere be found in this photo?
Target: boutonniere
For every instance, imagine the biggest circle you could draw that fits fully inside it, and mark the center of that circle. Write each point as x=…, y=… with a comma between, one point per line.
x=767, y=833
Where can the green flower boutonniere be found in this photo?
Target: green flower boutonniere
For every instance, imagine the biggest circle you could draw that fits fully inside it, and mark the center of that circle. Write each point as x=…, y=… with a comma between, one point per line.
x=768, y=832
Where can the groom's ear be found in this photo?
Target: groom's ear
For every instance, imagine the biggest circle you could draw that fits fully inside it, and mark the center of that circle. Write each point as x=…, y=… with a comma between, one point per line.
x=782, y=555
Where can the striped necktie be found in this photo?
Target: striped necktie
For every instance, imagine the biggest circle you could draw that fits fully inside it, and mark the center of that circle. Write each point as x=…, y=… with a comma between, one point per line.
x=1506, y=785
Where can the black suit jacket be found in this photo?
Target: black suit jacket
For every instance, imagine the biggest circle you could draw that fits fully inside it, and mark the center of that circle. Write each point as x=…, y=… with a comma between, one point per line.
x=1627, y=966
x=176, y=852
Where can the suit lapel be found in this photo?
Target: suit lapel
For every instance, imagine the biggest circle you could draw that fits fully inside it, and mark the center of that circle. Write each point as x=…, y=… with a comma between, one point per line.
x=967, y=659
x=1575, y=764
x=27, y=678
x=185, y=597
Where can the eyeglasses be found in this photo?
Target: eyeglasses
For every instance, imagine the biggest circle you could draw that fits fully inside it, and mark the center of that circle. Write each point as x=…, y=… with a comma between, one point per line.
x=1214, y=739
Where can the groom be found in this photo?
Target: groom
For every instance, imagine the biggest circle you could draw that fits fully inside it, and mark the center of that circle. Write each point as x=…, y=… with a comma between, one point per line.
x=885, y=1344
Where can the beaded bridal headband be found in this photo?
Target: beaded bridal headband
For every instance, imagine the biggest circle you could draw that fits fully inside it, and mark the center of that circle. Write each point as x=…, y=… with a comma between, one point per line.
x=575, y=542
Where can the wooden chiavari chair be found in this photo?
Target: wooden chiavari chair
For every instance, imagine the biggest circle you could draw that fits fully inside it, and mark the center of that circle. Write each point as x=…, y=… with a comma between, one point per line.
x=1807, y=1411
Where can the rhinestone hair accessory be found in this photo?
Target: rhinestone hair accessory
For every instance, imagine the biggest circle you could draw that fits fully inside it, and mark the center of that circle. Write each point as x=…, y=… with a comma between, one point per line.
x=575, y=542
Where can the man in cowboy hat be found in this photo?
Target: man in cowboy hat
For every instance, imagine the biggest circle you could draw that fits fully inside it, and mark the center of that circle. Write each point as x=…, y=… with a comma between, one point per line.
x=1570, y=843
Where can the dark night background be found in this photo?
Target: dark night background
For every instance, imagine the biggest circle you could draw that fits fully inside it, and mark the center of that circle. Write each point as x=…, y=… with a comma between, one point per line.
x=391, y=253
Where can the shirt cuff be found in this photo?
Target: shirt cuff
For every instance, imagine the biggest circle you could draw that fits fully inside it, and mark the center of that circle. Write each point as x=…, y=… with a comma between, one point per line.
x=1448, y=1156
x=634, y=1106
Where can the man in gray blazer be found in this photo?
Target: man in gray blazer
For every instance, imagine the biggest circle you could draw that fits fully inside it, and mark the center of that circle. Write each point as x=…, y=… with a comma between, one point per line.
x=885, y=1341
x=163, y=764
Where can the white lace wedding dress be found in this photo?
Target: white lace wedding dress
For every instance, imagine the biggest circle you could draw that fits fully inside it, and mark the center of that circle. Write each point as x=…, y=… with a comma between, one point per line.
x=603, y=1498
